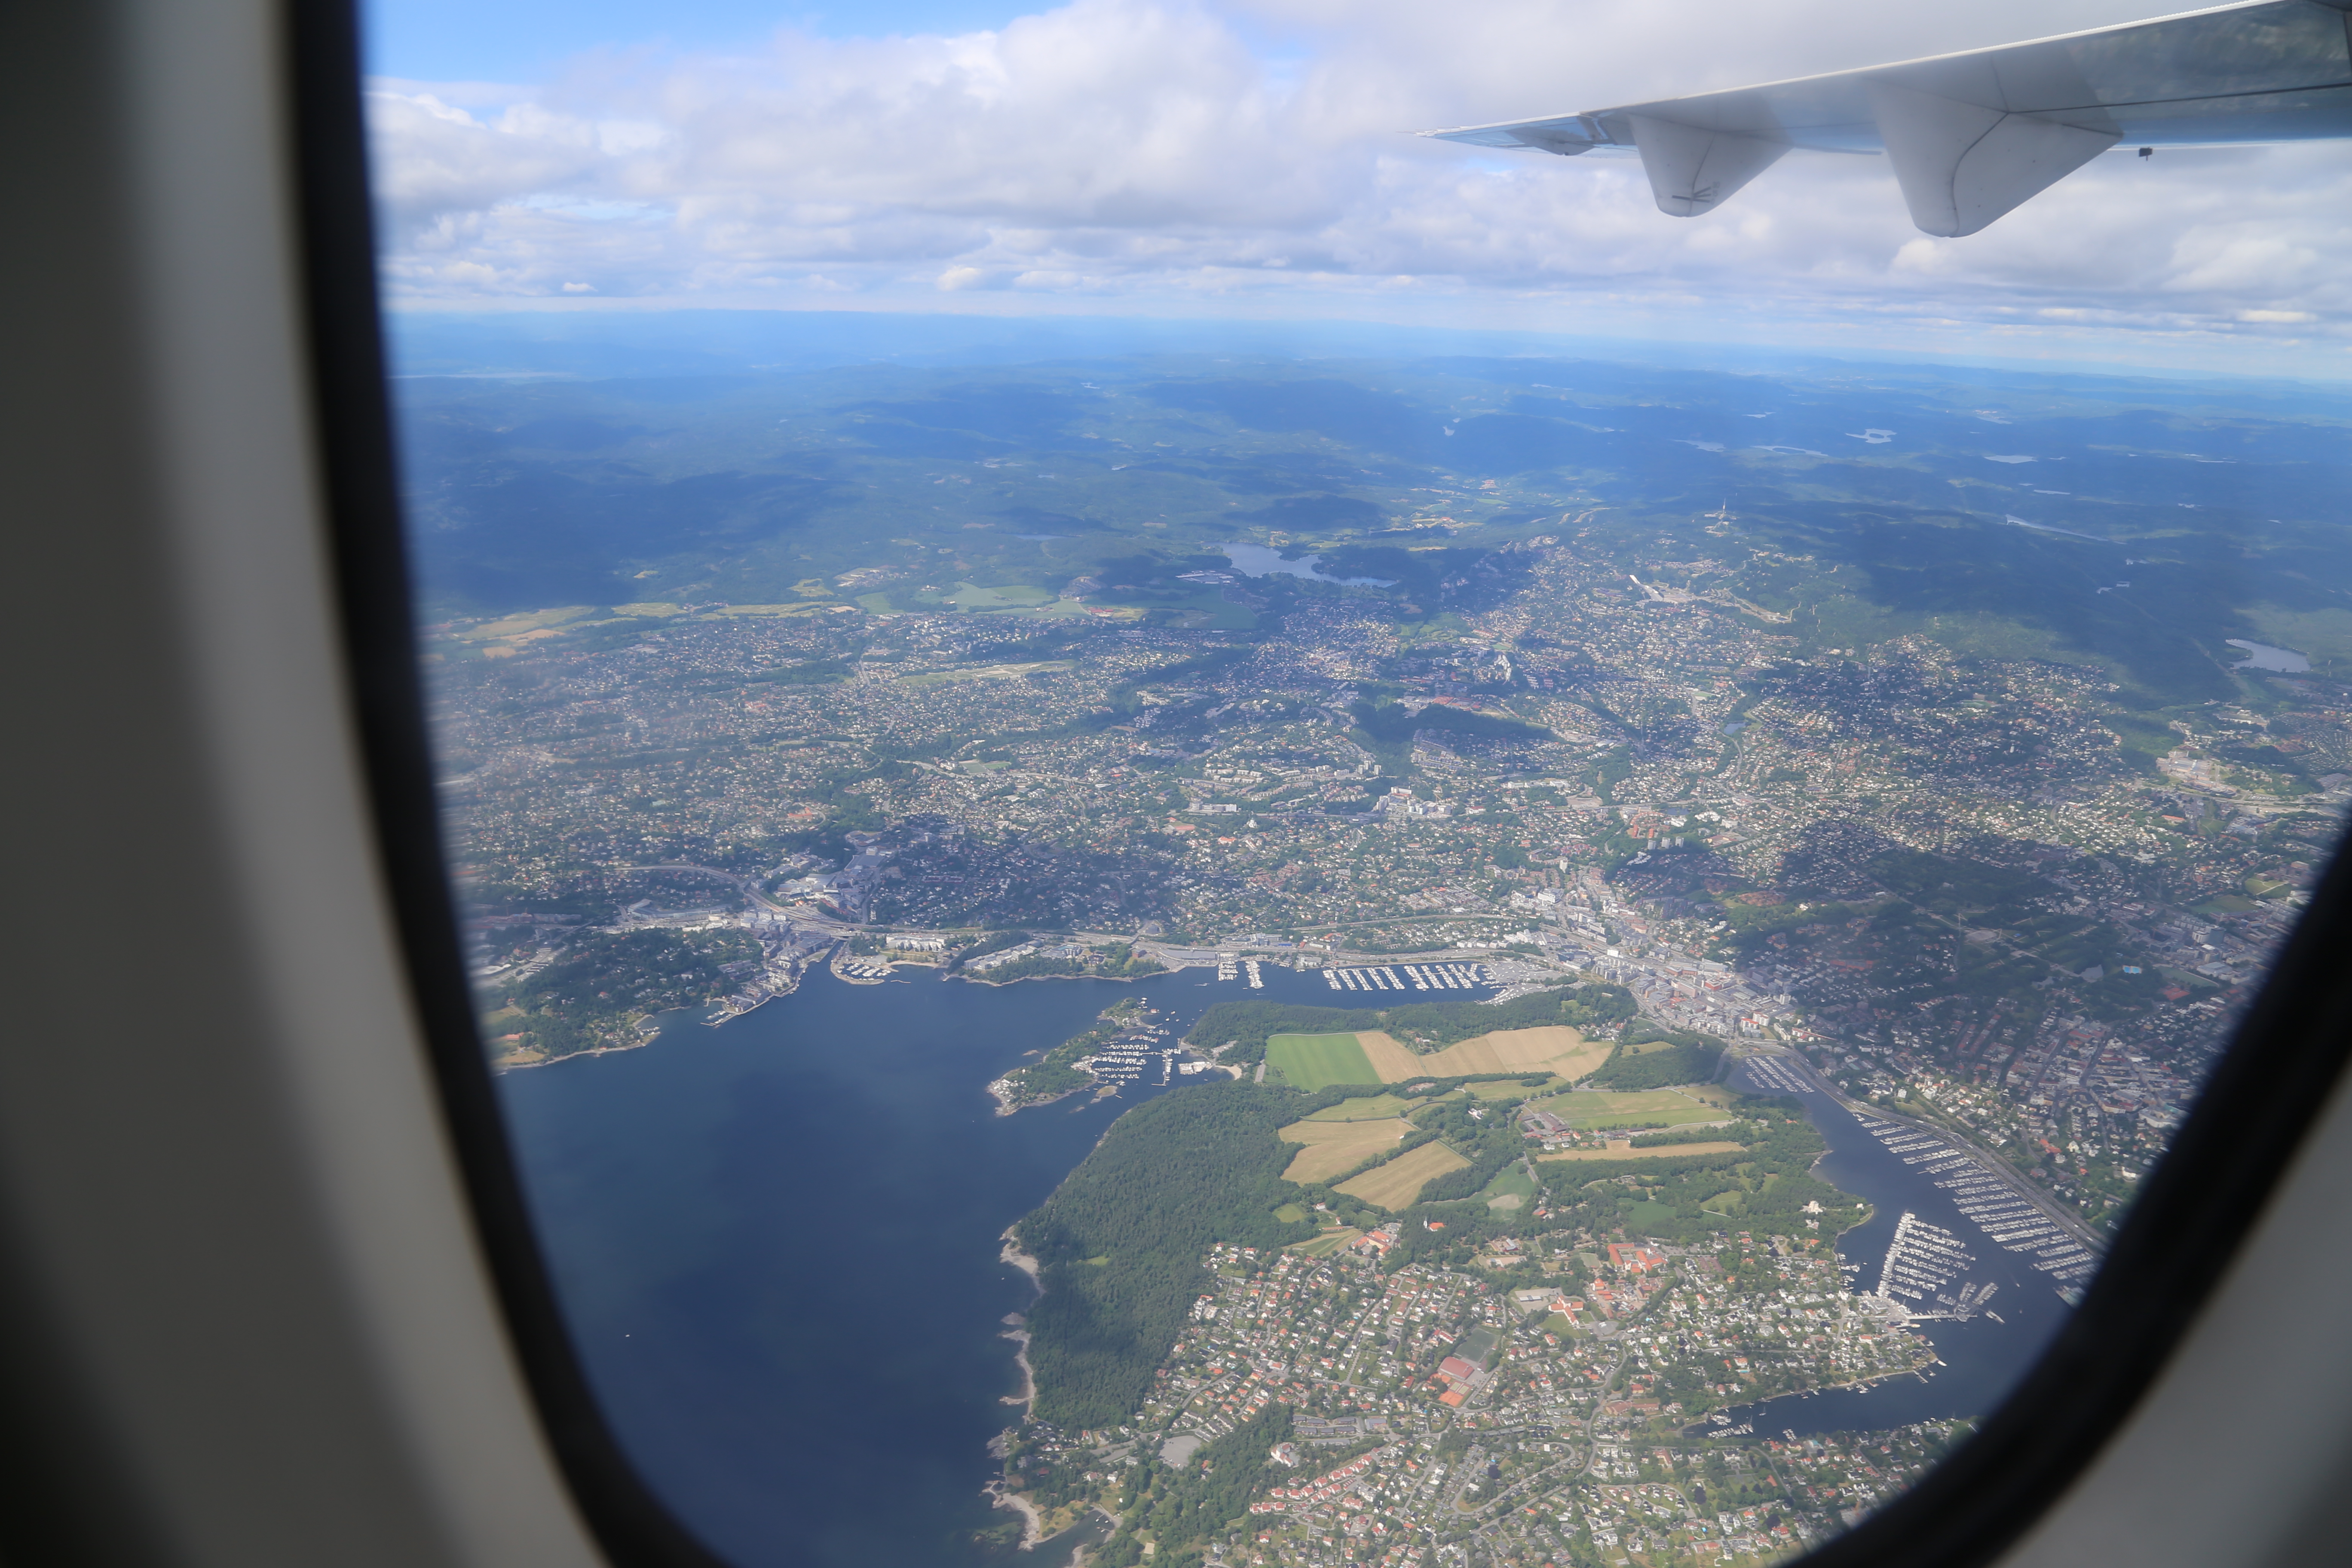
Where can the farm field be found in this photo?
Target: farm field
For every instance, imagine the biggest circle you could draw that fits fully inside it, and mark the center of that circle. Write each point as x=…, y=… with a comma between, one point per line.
x=1552, y=1048
x=1317, y=1061
x=1395, y=1185
x=1394, y=1060
x=1627, y=1151
x=1641, y=1108
x=1311, y=1061
x=1372, y=1108
x=1332, y=1148
x=1508, y=1089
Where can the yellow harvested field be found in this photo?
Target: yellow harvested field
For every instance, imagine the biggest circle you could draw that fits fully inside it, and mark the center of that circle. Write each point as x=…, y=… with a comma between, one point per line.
x=1627, y=1151
x=1332, y=1147
x=1550, y=1047
x=1395, y=1185
x=1393, y=1060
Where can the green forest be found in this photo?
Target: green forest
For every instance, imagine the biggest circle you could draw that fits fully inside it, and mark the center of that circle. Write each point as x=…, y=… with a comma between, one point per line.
x=1666, y=1056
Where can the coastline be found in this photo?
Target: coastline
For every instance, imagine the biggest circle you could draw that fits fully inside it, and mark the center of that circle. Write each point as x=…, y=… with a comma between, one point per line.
x=1012, y=1254
x=1865, y=1385
x=982, y=978
x=1005, y=1106
x=1028, y=1395
x=640, y=1044
x=726, y=1014
x=1017, y=1326
x=1032, y=1523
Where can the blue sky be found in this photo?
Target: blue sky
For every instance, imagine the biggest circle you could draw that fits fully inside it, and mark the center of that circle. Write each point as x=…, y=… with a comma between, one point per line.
x=529, y=41
x=1249, y=159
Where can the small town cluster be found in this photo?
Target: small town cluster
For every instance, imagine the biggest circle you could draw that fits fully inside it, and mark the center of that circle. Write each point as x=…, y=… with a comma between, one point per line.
x=1431, y=1413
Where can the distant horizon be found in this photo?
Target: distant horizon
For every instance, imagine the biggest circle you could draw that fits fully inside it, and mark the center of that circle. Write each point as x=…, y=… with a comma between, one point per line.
x=1731, y=357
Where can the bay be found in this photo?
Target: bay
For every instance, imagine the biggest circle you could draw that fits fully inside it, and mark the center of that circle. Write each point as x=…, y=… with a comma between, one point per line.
x=1982, y=1357
x=777, y=1245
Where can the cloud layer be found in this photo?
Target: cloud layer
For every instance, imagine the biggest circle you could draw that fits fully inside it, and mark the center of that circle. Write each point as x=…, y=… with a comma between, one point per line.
x=1249, y=158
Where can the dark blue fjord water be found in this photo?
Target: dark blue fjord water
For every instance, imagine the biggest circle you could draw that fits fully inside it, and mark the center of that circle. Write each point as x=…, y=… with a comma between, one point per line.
x=1982, y=1359
x=777, y=1243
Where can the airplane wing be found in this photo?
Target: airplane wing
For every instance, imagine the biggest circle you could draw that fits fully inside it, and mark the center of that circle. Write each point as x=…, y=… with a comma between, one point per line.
x=1972, y=135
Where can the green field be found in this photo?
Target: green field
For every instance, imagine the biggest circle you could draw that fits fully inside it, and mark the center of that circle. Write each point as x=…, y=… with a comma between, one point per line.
x=1508, y=1089
x=1511, y=1187
x=1372, y=1108
x=1316, y=1061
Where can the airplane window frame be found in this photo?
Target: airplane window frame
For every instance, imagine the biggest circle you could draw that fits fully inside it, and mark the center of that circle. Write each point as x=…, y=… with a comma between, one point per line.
x=352, y=420
x=2176, y=1243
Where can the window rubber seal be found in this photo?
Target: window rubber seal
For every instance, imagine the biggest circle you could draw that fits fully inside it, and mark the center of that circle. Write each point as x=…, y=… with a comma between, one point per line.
x=2176, y=1244
x=352, y=430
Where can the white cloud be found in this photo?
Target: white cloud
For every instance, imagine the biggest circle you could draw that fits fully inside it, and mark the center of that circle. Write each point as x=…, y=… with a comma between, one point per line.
x=1117, y=152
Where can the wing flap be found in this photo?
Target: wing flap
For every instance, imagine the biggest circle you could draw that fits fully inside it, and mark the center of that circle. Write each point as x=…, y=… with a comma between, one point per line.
x=1692, y=170
x=1962, y=165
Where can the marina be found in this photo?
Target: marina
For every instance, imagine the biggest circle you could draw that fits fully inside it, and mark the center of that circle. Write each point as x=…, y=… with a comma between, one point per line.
x=1407, y=977
x=1918, y=1254
x=1921, y=1263
x=2006, y=1217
